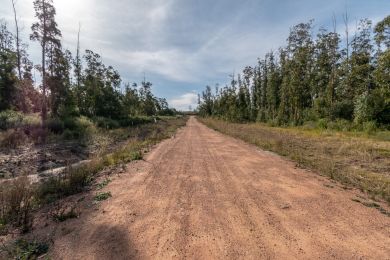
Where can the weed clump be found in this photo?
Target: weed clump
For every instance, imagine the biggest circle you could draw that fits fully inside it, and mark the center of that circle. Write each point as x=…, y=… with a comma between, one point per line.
x=103, y=184
x=100, y=196
x=24, y=249
x=64, y=214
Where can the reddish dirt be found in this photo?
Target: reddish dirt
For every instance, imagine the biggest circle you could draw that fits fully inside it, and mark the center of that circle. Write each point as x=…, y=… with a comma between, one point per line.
x=204, y=195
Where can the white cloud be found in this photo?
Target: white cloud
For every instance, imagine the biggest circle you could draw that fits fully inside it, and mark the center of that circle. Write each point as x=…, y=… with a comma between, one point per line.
x=183, y=102
x=184, y=45
x=171, y=64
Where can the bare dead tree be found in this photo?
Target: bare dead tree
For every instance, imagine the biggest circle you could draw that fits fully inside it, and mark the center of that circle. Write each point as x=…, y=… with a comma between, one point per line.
x=334, y=23
x=346, y=24
x=78, y=63
x=18, y=54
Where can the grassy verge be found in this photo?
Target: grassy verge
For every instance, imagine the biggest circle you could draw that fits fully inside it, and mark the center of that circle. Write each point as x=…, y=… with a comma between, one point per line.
x=18, y=198
x=351, y=158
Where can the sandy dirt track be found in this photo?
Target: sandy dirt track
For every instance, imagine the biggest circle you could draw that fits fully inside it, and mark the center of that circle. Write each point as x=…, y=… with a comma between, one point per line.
x=203, y=195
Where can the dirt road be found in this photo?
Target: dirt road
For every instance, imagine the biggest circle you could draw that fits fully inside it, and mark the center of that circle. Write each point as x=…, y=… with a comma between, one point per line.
x=204, y=195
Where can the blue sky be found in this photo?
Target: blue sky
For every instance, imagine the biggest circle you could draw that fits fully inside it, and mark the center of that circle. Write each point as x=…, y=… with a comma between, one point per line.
x=184, y=45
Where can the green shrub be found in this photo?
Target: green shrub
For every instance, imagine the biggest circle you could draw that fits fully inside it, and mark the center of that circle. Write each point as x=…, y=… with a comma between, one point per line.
x=362, y=111
x=70, y=123
x=70, y=134
x=13, y=119
x=273, y=122
x=322, y=123
x=100, y=196
x=55, y=125
x=343, y=110
x=340, y=125
x=383, y=116
x=369, y=127
x=77, y=127
x=311, y=114
x=25, y=250
x=320, y=108
x=106, y=123
x=10, y=119
x=136, y=156
x=133, y=121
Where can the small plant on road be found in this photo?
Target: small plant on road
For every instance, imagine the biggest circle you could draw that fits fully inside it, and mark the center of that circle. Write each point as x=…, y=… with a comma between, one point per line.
x=100, y=196
x=23, y=249
x=103, y=184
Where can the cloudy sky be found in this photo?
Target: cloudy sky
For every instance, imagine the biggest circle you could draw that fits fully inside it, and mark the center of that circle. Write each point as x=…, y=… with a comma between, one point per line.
x=184, y=45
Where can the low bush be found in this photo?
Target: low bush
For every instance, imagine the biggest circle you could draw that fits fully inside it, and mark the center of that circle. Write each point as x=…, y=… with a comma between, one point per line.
x=106, y=123
x=369, y=127
x=322, y=123
x=69, y=183
x=71, y=134
x=13, y=119
x=343, y=110
x=24, y=250
x=55, y=125
x=340, y=125
x=13, y=138
x=70, y=123
x=77, y=127
x=134, y=121
x=10, y=119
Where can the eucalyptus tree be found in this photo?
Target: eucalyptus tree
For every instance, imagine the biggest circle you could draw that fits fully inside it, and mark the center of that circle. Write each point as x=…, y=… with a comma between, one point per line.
x=325, y=82
x=8, y=63
x=46, y=32
x=273, y=86
x=300, y=50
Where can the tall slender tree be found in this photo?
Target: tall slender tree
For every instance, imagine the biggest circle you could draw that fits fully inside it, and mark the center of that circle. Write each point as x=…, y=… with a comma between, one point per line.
x=46, y=32
x=17, y=42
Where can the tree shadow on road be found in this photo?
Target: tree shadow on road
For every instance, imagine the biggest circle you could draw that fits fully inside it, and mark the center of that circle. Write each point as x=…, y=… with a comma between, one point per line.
x=112, y=242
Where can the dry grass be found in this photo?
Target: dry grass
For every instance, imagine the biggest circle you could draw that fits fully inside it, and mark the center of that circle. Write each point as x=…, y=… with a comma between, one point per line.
x=353, y=159
x=16, y=203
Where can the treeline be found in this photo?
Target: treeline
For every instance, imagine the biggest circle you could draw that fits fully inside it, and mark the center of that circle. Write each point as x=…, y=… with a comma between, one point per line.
x=71, y=85
x=312, y=79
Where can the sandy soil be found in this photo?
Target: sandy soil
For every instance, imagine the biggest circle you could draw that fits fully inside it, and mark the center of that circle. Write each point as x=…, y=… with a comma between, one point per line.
x=203, y=195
